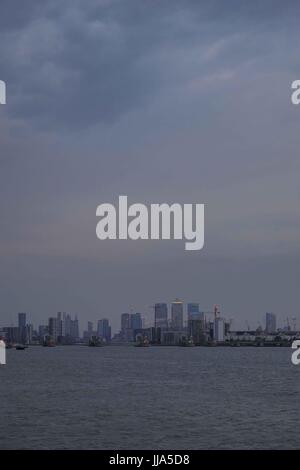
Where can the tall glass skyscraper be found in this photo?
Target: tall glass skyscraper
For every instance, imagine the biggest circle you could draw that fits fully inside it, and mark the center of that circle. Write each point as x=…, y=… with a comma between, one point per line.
x=21, y=320
x=104, y=330
x=177, y=314
x=125, y=321
x=136, y=321
x=161, y=315
x=192, y=308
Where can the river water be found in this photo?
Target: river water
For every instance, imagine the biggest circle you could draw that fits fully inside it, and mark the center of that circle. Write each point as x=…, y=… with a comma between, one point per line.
x=121, y=397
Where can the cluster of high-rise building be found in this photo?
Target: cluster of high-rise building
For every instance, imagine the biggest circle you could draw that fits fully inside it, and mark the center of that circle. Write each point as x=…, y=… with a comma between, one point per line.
x=182, y=325
x=61, y=329
x=103, y=331
x=175, y=323
x=21, y=334
x=131, y=323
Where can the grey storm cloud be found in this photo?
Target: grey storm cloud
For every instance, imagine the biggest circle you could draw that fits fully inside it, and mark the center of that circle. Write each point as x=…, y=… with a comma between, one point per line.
x=73, y=64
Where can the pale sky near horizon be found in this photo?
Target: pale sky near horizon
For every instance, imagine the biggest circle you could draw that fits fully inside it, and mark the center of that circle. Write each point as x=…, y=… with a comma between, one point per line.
x=163, y=101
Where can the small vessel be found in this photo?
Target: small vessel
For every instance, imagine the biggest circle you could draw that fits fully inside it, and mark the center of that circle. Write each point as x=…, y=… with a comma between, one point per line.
x=187, y=343
x=142, y=343
x=95, y=342
x=20, y=347
x=48, y=342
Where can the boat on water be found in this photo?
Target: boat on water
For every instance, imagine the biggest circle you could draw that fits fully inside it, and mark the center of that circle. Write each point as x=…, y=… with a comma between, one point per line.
x=20, y=347
x=142, y=343
x=48, y=342
x=187, y=343
x=95, y=342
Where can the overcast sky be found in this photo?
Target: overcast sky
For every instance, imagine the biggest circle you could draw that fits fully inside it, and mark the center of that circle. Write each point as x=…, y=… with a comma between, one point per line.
x=164, y=101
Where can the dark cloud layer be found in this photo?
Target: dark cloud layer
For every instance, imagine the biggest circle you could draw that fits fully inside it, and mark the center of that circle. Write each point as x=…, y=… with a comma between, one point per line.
x=78, y=63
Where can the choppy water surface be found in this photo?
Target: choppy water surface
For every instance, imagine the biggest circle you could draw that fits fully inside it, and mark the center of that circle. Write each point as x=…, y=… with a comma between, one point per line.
x=149, y=398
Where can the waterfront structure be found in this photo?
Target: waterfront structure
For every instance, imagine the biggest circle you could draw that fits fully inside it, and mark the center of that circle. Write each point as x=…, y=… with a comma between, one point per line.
x=177, y=315
x=270, y=323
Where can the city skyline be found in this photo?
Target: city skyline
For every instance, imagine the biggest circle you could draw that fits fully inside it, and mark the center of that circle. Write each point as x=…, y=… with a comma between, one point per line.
x=181, y=327
x=162, y=316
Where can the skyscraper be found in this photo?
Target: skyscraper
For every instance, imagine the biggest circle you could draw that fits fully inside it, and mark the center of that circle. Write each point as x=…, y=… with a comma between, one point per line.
x=270, y=323
x=21, y=320
x=196, y=329
x=136, y=321
x=177, y=314
x=104, y=330
x=192, y=308
x=161, y=316
x=53, y=328
x=68, y=325
x=90, y=327
x=59, y=324
x=126, y=332
x=75, y=329
x=22, y=328
x=125, y=321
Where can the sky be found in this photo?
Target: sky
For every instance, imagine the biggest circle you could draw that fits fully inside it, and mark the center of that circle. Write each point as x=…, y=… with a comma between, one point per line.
x=163, y=101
